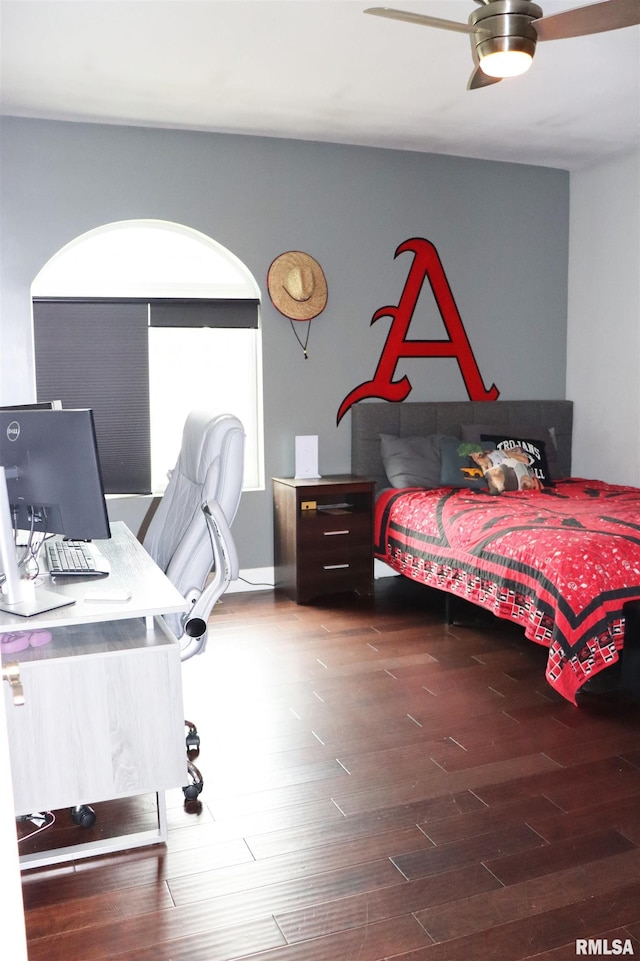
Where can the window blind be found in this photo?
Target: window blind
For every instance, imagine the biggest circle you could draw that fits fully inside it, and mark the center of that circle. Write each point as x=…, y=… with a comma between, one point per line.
x=96, y=355
x=91, y=352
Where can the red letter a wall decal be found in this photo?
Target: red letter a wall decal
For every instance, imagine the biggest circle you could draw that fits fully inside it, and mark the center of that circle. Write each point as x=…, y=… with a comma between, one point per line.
x=426, y=263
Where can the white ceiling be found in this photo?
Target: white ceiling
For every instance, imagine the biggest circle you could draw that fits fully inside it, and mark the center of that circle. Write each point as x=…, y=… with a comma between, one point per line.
x=317, y=70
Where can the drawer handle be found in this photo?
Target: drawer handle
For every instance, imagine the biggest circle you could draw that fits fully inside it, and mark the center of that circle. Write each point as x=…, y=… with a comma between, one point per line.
x=11, y=673
x=334, y=567
x=333, y=533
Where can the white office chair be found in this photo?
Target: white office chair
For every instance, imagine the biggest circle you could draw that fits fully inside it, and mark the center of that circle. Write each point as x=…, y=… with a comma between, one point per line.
x=189, y=538
x=189, y=535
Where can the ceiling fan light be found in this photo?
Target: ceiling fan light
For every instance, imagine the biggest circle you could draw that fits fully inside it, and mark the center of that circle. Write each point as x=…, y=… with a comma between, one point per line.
x=506, y=56
x=506, y=63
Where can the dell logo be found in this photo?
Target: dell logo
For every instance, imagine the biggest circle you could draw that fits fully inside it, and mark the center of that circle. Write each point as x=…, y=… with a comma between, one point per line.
x=13, y=430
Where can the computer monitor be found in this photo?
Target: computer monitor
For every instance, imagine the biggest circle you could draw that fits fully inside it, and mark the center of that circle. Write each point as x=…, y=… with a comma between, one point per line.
x=43, y=405
x=50, y=482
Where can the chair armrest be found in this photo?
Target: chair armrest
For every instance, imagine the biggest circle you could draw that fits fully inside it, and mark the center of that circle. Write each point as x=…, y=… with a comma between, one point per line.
x=217, y=523
x=226, y=569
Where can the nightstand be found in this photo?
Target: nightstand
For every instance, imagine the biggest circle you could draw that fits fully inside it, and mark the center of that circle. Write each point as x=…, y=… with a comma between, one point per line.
x=323, y=535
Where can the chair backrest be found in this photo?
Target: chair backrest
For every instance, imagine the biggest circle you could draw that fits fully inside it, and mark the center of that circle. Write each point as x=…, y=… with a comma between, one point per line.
x=209, y=470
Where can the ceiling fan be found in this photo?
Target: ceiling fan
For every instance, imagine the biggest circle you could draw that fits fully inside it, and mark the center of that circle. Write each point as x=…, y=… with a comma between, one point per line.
x=504, y=33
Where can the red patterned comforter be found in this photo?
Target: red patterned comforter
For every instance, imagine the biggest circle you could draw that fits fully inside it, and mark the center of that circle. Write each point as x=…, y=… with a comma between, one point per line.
x=562, y=562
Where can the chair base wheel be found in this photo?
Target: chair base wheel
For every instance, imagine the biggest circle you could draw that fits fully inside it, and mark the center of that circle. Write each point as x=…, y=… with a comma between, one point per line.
x=193, y=790
x=193, y=738
x=83, y=815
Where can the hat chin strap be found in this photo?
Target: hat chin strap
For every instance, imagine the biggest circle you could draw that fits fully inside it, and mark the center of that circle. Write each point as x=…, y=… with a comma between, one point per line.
x=306, y=340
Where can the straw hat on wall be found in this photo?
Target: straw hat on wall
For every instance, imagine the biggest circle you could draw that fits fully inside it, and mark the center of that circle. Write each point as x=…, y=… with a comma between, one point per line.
x=297, y=285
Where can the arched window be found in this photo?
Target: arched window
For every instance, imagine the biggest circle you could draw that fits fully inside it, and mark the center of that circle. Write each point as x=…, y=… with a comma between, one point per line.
x=144, y=321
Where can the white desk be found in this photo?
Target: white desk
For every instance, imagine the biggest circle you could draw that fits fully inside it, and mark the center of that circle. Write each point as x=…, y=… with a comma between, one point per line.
x=131, y=569
x=103, y=716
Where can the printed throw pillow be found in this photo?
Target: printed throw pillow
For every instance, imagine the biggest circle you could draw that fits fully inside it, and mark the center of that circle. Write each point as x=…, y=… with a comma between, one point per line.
x=536, y=436
x=458, y=469
x=411, y=461
x=505, y=470
x=533, y=449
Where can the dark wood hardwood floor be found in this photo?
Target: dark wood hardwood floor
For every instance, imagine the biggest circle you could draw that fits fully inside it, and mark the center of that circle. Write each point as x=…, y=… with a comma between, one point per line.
x=377, y=785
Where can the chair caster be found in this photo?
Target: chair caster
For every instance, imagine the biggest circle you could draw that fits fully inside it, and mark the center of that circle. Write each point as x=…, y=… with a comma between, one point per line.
x=193, y=738
x=192, y=790
x=83, y=815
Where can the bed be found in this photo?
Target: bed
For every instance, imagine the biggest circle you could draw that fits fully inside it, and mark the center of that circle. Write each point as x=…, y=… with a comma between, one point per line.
x=561, y=558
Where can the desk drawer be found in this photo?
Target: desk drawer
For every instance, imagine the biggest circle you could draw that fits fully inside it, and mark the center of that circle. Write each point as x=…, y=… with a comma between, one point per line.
x=98, y=726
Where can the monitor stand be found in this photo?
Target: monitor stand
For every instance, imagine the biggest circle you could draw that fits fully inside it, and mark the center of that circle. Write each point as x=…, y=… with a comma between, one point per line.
x=19, y=595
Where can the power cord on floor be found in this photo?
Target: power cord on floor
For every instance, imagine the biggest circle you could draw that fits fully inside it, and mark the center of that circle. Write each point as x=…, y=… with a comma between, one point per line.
x=41, y=822
x=255, y=583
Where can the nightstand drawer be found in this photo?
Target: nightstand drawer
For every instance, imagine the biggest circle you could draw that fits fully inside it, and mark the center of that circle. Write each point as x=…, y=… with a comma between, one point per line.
x=333, y=550
x=320, y=528
x=324, y=576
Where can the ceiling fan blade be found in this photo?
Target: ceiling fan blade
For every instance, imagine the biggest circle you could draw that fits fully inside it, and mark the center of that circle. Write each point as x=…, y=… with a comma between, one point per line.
x=420, y=19
x=479, y=79
x=595, y=18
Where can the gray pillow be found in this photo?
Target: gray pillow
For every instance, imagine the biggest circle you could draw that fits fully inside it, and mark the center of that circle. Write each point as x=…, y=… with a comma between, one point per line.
x=411, y=461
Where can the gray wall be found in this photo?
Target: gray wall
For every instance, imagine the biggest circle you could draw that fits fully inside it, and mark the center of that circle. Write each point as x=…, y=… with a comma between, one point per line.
x=604, y=320
x=501, y=231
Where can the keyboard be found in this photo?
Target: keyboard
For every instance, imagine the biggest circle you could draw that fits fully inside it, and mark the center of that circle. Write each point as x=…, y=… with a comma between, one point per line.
x=75, y=557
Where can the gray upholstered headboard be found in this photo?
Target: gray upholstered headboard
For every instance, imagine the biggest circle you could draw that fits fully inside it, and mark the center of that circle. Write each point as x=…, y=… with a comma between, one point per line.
x=370, y=419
